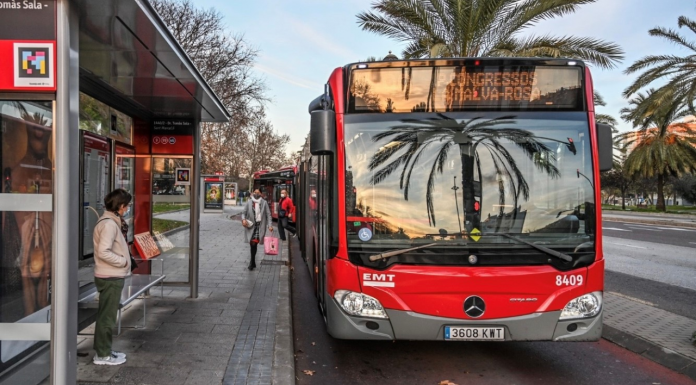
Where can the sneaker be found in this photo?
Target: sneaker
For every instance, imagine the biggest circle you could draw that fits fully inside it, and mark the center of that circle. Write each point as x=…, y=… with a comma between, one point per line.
x=294, y=235
x=118, y=354
x=108, y=360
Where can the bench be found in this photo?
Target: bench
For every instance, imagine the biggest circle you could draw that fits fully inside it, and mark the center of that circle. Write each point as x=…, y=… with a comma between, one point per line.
x=134, y=286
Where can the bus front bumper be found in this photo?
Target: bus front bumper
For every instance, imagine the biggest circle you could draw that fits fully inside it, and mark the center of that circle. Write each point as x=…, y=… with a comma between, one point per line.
x=406, y=325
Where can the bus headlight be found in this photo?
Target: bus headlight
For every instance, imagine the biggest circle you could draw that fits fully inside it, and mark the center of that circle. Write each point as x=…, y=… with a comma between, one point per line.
x=359, y=304
x=584, y=306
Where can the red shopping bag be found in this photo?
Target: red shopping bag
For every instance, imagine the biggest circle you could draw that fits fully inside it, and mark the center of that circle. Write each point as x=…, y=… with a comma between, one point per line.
x=270, y=245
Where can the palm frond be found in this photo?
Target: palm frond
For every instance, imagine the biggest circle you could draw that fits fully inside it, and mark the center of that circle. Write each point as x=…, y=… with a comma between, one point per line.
x=595, y=51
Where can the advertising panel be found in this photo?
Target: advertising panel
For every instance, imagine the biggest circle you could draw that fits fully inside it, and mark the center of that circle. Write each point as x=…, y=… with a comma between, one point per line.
x=172, y=136
x=26, y=161
x=213, y=195
x=28, y=37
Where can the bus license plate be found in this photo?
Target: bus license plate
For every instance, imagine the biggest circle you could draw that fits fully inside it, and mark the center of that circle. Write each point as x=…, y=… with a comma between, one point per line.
x=474, y=333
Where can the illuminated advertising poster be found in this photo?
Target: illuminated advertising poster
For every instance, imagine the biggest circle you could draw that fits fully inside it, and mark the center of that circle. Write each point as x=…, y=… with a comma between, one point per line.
x=26, y=236
x=213, y=195
x=28, y=37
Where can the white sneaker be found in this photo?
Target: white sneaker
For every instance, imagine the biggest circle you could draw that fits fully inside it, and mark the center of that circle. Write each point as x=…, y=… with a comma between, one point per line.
x=118, y=354
x=109, y=360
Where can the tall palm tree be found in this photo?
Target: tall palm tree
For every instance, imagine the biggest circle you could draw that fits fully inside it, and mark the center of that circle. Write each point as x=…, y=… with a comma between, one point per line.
x=460, y=28
x=680, y=71
x=442, y=132
x=604, y=118
x=662, y=146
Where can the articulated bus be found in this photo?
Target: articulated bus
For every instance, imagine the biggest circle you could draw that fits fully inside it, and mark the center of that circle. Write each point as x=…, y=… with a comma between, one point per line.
x=456, y=199
x=271, y=183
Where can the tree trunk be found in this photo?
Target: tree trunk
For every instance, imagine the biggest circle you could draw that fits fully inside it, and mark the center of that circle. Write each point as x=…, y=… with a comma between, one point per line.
x=623, y=198
x=471, y=219
x=660, y=206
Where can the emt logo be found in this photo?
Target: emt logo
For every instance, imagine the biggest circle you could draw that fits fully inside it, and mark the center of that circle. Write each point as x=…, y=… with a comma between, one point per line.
x=379, y=280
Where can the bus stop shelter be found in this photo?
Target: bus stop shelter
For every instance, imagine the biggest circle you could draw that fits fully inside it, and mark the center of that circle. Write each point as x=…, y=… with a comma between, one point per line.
x=94, y=95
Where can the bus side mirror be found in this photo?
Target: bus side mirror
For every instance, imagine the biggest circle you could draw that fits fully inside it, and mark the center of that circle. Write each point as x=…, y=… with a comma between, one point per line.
x=322, y=132
x=605, y=147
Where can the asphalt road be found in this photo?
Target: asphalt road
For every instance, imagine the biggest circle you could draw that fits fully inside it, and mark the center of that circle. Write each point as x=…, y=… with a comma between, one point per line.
x=666, y=235
x=332, y=361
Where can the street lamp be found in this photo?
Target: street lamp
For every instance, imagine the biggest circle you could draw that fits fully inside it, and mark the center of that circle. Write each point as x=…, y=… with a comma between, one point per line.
x=584, y=176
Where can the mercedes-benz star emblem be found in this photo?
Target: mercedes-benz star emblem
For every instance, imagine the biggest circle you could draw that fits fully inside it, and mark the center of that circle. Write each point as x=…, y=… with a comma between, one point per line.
x=474, y=306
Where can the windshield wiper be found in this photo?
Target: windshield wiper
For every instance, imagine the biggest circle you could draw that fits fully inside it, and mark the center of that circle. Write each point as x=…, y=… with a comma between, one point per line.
x=546, y=250
x=388, y=254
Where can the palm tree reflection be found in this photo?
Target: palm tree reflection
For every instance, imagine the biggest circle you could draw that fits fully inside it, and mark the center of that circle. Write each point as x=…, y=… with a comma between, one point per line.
x=413, y=138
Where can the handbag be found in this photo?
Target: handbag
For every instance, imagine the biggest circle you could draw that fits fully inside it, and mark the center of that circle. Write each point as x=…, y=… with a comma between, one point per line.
x=270, y=245
x=282, y=213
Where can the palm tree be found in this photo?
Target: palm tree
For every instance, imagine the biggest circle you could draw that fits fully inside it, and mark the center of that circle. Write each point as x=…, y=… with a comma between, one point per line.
x=662, y=146
x=604, y=118
x=679, y=70
x=460, y=28
x=443, y=132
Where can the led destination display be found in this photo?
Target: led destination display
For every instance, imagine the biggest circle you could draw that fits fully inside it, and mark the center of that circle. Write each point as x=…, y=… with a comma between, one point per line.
x=462, y=88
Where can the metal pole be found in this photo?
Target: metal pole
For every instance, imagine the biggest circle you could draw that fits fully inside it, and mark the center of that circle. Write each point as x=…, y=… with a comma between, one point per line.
x=195, y=211
x=66, y=203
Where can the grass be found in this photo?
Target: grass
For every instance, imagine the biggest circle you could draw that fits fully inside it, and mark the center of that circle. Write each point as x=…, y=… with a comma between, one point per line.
x=163, y=225
x=164, y=207
x=651, y=209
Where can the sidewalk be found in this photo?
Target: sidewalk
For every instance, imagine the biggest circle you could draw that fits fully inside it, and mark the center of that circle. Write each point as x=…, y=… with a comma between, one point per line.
x=237, y=332
x=656, y=334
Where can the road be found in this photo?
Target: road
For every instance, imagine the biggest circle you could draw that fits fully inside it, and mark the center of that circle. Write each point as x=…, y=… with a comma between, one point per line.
x=653, y=263
x=414, y=362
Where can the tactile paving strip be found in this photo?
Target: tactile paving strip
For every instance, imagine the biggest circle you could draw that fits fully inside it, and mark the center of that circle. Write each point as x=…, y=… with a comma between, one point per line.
x=665, y=329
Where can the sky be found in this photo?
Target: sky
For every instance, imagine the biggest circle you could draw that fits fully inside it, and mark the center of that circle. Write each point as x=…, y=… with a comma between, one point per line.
x=300, y=42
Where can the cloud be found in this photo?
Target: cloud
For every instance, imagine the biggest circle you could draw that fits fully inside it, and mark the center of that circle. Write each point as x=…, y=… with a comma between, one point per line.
x=294, y=80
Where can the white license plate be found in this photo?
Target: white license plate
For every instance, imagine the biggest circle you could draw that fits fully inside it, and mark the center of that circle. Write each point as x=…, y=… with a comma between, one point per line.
x=474, y=333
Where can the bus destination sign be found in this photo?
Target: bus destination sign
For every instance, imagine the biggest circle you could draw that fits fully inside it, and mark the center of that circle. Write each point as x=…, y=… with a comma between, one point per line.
x=462, y=88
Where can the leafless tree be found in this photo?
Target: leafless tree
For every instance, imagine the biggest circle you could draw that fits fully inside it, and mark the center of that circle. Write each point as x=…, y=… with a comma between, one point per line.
x=226, y=61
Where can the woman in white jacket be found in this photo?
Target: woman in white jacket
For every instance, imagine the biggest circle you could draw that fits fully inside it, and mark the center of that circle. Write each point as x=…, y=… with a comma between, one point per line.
x=112, y=264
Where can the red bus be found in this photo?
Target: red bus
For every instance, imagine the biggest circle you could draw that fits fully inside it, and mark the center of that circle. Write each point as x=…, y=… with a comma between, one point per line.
x=272, y=182
x=456, y=199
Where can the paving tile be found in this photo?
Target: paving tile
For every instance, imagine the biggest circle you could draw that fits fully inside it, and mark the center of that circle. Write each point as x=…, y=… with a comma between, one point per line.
x=191, y=361
x=97, y=373
x=187, y=348
x=151, y=376
x=198, y=327
x=205, y=377
x=209, y=338
x=226, y=329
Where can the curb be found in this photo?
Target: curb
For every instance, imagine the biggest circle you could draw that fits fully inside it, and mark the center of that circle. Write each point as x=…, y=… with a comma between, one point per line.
x=283, y=354
x=651, y=351
x=169, y=212
x=175, y=230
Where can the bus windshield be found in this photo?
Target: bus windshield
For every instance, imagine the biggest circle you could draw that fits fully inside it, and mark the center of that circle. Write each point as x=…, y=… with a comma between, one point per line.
x=458, y=178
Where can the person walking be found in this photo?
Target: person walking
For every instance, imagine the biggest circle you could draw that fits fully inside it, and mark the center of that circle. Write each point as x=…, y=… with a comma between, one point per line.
x=256, y=217
x=285, y=210
x=112, y=264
